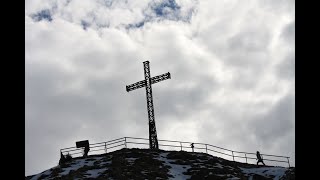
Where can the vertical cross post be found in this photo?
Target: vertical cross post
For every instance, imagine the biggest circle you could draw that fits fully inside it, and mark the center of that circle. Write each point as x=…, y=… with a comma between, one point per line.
x=153, y=140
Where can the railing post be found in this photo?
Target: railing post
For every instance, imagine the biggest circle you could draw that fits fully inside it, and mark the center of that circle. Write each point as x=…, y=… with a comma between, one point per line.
x=61, y=154
x=232, y=155
x=245, y=154
x=116, y=141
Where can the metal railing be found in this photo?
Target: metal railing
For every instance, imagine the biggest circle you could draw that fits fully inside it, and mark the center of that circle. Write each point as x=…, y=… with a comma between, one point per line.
x=127, y=142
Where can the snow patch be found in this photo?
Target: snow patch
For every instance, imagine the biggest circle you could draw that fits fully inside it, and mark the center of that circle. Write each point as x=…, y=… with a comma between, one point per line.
x=218, y=165
x=47, y=172
x=176, y=170
x=95, y=172
x=277, y=172
x=131, y=160
x=77, y=164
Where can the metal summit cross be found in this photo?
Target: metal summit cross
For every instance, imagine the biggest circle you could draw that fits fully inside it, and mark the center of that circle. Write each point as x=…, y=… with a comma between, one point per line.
x=153, y=141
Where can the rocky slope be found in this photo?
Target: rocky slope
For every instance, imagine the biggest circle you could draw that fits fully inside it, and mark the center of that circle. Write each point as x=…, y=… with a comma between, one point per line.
x=159, y=164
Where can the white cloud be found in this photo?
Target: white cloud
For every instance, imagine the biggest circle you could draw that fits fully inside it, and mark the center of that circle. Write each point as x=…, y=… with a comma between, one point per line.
x=231, y=62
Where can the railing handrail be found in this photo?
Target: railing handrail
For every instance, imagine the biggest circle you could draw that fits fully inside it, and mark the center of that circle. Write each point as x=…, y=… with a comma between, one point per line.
x=125, y=140
x=261, y=154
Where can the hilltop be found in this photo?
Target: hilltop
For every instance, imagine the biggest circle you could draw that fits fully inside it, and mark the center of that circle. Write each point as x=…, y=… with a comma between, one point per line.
x=159, y=164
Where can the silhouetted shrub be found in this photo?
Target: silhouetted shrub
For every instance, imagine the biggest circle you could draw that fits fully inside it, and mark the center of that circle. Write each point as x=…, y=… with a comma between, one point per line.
x=68, y=157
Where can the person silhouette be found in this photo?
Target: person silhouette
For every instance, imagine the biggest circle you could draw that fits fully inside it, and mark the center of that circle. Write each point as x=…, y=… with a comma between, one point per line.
x=192, y=146
x=86, y=150
x=259, y=158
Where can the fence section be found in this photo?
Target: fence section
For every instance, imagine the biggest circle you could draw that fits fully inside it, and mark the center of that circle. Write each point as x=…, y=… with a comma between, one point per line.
x=143, y=143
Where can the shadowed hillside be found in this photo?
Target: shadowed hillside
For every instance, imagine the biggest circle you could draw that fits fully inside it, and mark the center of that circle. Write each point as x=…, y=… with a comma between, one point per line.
x=159, y=164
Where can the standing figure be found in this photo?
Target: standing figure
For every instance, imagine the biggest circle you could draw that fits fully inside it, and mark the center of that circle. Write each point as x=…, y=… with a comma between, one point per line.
x=259, y=158
x=84, y=144
x=192, y=146
x=86, y=150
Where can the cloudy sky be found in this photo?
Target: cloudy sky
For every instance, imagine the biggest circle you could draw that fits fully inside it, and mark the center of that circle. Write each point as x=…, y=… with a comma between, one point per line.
x=232, y=66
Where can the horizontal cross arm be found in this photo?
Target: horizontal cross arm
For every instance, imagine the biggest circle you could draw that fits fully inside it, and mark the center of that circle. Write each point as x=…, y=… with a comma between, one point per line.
x=143, y=83
x=161, y=77
x=136, y=85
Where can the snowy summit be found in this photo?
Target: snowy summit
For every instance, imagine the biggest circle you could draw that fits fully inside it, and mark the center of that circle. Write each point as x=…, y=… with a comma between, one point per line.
x=159, y=164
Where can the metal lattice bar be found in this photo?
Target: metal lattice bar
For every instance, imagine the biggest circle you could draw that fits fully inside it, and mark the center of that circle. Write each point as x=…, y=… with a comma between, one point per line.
x=153, y=140
x=142, y=83
x=147, y=82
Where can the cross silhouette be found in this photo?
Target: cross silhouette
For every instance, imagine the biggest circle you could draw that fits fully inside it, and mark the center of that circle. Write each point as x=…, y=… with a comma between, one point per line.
x=153, y=140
